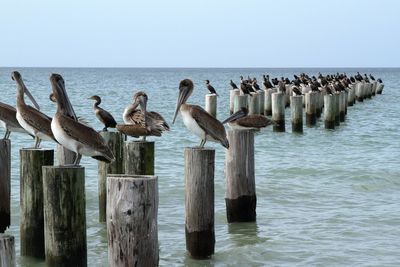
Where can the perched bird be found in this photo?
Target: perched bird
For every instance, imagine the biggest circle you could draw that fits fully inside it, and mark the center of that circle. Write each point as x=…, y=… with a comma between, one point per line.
x=241, y=120
x=234, y=86
x=104, y=116
x=152, y=121
x=296, y=91
x=281, y=87
x=255, y=86
x=8, y=120
x=210, y=88
x=197, y=120
x=244, y=88
x=379, y=80
x=31, y=119
x=267, y=84
x=372, y=77
x=70, y=133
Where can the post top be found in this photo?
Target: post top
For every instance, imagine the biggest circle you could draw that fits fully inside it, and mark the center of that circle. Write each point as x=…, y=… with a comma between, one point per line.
x=63, y=167
x=132, y=176
x=139, y=142
x=6, y=236
x=200, y=149
x=36, y=149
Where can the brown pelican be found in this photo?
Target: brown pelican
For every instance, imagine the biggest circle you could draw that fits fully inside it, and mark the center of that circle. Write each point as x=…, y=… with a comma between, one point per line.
x=104, y=116
x=137, y=130
x=152, y=121
x=72, y=134
x=32, y=120
x=241, y=120
x=8, y=120
x=197, y=120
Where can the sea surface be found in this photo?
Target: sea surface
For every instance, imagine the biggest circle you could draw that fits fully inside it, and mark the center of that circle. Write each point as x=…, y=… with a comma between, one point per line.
x=324, y=197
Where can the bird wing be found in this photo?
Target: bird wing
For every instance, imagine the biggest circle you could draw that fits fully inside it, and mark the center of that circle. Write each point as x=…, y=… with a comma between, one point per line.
x=105, y=117
x=8, y=114
x=137, y=130
x=209, y=124
x=256, y=121
x=158, y=119
x=41, y=121
x=135, y=117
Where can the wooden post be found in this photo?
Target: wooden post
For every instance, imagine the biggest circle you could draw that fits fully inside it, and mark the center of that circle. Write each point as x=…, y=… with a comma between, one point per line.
x=374, y=86
x=139, y=157
x=337, y=108
x=211, y=104
x=288, y=93
x=278, y=111
x=64, y=156
x=379, y=89
x=115, y=142
x=199, y=202
x=342, y=106
x=31, y=200
x=320, y=100
x=268, y=102
x=132, y=220
x=296, y=110
x=64, y=215
x=350, y=95
x=240, y=196
x=311, y=100
x=7, y=250
x=369, y=90
x=329, y=111
x=262, y=102
x=254, y=102
x=5, y=184
x=359, y=92
x=240, y=101
x=232, y=94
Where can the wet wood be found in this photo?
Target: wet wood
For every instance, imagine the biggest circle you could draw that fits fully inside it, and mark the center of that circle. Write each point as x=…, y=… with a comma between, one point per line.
x=139, y=157
x=240, y=196
x=311, y=102
x=329, y=111
x=337, y=108
x=115, y=142
x=5, y=184
x=64, y=156
x=64, y=215
x=254, y=104
x=342, y=106
x=7, y=250
x=278, y=111
x=132, y=220
x=211, y=104
x=296, y=111
x=199, y=202
x=268, y=102
x=31, y=200
x=240, y=101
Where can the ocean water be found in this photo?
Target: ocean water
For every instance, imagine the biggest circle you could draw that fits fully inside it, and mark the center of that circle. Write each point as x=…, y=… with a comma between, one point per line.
x=324, y=198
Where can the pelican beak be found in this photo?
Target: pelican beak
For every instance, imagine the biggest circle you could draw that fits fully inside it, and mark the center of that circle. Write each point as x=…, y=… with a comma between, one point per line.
x=21, y=87
x=143, y=106
x=31, y=97
x=237, y=115
x=60, y=95
x=184, y=93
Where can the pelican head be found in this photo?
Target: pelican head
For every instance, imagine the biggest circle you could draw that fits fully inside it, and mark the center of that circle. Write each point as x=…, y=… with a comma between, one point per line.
x=185, y=90
x=60, y=95
x=237, y=115
x=21, y=88
x=140, y=98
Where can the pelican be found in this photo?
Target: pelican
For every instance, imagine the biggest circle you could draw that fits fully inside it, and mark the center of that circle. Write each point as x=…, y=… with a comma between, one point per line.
x=32, y=120
x=137, y=130
x=8, y=120
x=197, y=120
x=241, y=120
x=72, y=134
x=104, y=116
x=151, y=120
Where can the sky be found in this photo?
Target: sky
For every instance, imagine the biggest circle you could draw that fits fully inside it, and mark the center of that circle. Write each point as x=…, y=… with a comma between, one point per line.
x=200, y=33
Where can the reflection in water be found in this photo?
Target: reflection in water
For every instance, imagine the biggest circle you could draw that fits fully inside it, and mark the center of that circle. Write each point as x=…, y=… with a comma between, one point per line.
x=243, y=234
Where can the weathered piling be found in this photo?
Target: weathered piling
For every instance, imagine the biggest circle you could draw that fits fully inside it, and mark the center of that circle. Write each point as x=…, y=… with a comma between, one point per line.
x=240, y=196
x=31, y=200
x=368, y=90
x=296, y=111
x=115, y=142
x=268, y=102
x=342, y=106
x=262, y=102
x=379, y=88
x=337, y=108
x=329, y=111
x=64, y=156
x=359, y=92
x=254, y=104
x=319, y=105
x=139, y=157
x=5, y=184
x=232, y=94
x=132, y=220
x=288, y=93
x=7, y=250
x=199, y=202
x=278, y=111
x=311, y=102
x=240, y=101
x=350, y=91
x=374, y=86
x=64, y=215
x=211, y=104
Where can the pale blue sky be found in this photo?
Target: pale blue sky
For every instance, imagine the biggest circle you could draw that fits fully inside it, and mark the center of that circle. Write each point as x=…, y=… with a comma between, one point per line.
x=207, y=33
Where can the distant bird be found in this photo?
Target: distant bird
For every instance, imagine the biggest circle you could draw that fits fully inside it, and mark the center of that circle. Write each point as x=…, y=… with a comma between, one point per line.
x=296, y=91
x=328, y=90
x=267, y=84
x=197, y=120
x=379, y=80
x=241, y=120
x=234, y=86
x=244, y=88
x=31, y=119
x=372, y=77
x=102, y=115
x=70, y=133
x=9, y=121
x=210, y=88
x=352, y=79
x=281, y=87
x=255, y=86
x=152, y=121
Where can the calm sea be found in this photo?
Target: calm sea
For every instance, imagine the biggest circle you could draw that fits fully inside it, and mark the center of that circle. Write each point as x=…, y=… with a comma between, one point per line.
x=326, y=198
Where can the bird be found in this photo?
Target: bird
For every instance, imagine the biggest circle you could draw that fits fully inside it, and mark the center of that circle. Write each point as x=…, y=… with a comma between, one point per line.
x=150, y=120
x=234, y=86
x=379, y=80
x=296, y=91
x=31, y=119
x=243, y=87
x=372, y=77
x=197, y=120
x=70, y=133
x=8, y=120
x=267, y=84
x=241, y=120
x=104, y=116
x=210, y=88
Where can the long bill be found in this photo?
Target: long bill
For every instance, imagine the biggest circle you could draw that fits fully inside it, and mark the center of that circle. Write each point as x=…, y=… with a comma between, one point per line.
x=26, y=91
x=61, y=96
x=143, y=107
x=237, y=115
x=183, y=95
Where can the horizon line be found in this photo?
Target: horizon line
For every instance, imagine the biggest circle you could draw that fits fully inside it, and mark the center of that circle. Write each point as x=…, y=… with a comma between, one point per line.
x=91, y=67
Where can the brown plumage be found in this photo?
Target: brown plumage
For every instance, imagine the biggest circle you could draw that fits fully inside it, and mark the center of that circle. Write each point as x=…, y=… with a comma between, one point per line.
x=241, y=120
x=137, y=130
x=102, y=115
x=9, y=120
